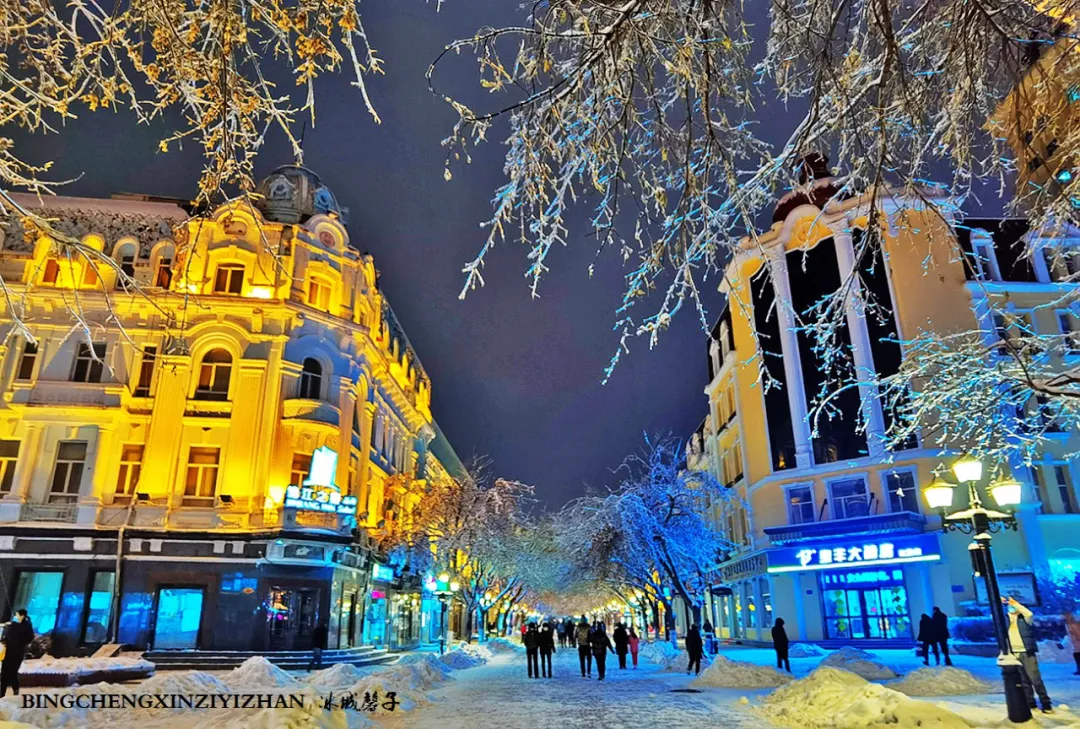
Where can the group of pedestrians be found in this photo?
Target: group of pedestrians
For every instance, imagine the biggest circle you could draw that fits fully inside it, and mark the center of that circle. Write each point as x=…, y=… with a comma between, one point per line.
x=934, y=635
x=592, y=642
x=539, y=647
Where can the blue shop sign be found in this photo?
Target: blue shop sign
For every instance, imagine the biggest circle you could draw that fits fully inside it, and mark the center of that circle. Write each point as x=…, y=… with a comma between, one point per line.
x=848, y=553
x=884, y=577
x=381, y=573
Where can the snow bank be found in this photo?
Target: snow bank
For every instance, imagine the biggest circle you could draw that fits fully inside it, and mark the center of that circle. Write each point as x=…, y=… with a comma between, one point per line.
x=1052, y=651
x=474, y=649
x=338, y=676
x=458, y=659
x=726, y=673
x=805, y=650
x=503, y=645
x=409, y=682
x=941, y=681
x=836, y=699
x=48, y=664
x=658, y=652
x=184, y=682
x=257, y=672
x=859, y=662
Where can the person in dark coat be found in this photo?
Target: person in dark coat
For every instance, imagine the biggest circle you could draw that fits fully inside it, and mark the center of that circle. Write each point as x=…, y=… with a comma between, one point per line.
x=780, y=645
x=927, y=639
x=318, y=643
x=17, y=638
x=584, y=649
x=622, y=643
x=710, y=636
x=601, y=644
x=940, y=622
x=694, y=649
x=532, y=650
x=547, y=648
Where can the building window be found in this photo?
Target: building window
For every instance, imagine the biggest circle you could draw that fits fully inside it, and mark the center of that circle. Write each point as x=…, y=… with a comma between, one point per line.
x=766, y=602
x=163, y=275
x=985, y=259
x=903, y=496
x=1070, y=332
x=127, y=480
x=848, y=498
x=126, y=259
x=146, y=372
x=52, y=272
x=1061, y=475
x=99, y=608
x=9, y=457
x=301, y=467
x=311, y=380
x=39, y=594
x=67, y=474
x=1040, y=487
x=89, y=362
x=202, y=472
x=800, y=504
x=318, y=294
x=229, y=279
x=27, y=361
x=90, y=277
x=214, y=375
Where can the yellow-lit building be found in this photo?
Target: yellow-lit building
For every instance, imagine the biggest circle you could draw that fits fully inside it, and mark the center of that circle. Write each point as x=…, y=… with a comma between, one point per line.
x=231, y=397
x=837, y=539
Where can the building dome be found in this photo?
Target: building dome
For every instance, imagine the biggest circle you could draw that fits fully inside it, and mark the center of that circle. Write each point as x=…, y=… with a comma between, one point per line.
x=817, y=186
x=292, y=194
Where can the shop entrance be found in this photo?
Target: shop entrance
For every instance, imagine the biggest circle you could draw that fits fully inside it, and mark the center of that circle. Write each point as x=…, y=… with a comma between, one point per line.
x=292, y=615
x=177, y=618
x=865, y=604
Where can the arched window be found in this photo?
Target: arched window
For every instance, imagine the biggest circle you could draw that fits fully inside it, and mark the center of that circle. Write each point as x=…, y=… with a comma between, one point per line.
x=163, y=266
x=214, y=375
x=125, y=258
x=229, y=279
x=311, y=380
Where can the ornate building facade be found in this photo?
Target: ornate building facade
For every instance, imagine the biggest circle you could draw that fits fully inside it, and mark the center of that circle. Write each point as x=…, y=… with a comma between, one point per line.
x=205, y=419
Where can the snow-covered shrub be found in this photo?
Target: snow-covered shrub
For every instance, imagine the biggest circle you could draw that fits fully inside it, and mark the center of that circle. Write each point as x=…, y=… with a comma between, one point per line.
x=941, y=681
x=726, y=673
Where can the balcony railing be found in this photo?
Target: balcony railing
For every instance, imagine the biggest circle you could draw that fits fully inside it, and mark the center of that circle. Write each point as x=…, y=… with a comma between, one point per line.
x=897, y=522
x=63, y=513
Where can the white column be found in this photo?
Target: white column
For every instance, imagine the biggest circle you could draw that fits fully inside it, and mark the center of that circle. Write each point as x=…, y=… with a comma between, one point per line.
x=855, y=311
x=789, y=344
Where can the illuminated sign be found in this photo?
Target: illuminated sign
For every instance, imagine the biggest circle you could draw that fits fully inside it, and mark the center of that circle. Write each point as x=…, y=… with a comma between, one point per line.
x=319, y=492
x=852, y=553
x=893, y=576
x=381, y=573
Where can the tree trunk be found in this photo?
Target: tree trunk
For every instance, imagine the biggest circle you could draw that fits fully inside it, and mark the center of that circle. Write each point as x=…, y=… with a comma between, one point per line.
x=655, y=617
x=468, y=624
x=482, y=617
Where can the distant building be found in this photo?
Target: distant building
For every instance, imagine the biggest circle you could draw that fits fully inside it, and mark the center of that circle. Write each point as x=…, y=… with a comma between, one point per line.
x=246, y=416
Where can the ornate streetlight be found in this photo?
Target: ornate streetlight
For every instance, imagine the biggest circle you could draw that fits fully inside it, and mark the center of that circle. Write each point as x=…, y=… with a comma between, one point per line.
x=982, y=522
x=445, y=588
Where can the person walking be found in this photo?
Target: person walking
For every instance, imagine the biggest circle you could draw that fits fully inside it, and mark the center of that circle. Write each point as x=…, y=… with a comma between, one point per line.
x=318, y=643
x=710, y=637
x=584, y=649
x=1022, y=642
x=524, y=630
x=622, y=643
x=532, y=650
x=547, y=649
x=559, y=630
x=633, y=642
x=926, y=638
x=694, y=649
x=601, y=644
x=18, y=636
x=1072, y=627
x=780, y=645
x=941, y=636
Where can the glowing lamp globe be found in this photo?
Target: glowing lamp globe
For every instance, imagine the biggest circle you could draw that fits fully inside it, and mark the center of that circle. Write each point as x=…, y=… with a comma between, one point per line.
x=1007, y=493
x=455, y=586
x=967, y=469
x=939, y=494
x=444, y=577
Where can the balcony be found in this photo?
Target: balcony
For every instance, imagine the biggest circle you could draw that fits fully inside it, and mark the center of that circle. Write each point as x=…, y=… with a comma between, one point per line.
x=58, y=513
x=901, y=522
x=66, y=394
x=316, y=411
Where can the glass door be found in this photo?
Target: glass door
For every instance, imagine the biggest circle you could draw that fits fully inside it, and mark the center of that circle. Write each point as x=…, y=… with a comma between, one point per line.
x=179, y=614
x=347, y=621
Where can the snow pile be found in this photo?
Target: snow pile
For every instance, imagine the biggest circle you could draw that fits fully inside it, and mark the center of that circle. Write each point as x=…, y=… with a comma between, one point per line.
x=726, y=673
x=503, y=645
x=458, y=659
x=48, y=664
x=835, y=699
x=475, y=649
x=184, y=682
x=338, y=676
x=1050, y=651
x=941, y=681
x=805, y=650
x=658, y=652
x=860, y=663
x=257, y=672
x=409, y=682
x=681, y=660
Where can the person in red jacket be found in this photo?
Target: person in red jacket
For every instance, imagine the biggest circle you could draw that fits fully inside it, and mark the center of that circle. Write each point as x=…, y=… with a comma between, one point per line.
x=633, y=642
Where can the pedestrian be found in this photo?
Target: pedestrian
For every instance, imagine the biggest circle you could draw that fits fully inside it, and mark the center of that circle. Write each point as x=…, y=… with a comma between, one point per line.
x=710, y=636
x=532, y=649
x=1022, y=642
x=560, y=632
x=622, y=643
x=694, y=649
x=780, y=645
x=601, y=644
x=926, y=638
x=940, y=623
x=1072, y=625
x=318, y=642
x=547, y=648
x=633, y=642
x=18, y=636
x=584, y=650
x=524, y=630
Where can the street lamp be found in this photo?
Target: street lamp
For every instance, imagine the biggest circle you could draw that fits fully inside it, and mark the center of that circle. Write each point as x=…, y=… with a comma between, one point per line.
x=445, y=588
x=982, y=522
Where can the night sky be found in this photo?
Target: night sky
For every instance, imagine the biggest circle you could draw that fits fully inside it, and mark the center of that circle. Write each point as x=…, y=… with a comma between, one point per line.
x=514, y=378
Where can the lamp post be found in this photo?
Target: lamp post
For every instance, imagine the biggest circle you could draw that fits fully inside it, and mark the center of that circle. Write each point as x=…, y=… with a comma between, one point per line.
x=445, y=589
x=982, y=522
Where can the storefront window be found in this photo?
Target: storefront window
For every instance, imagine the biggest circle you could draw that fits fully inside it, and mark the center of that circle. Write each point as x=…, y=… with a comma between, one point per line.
x=99, y=608
x=375, y=619
x=766, y=602
x=751, y=606
x=179, y=614
x=865, y=604
x=39, y=594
